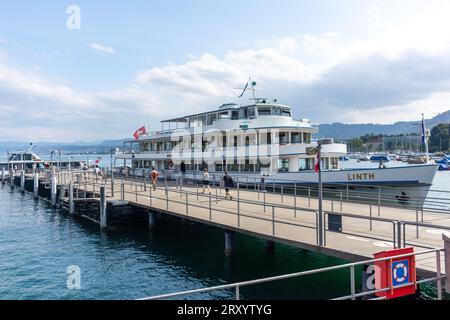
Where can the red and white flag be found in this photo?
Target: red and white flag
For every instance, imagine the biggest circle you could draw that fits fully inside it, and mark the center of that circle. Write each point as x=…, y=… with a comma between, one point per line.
x=139, y=132
x=317, y=163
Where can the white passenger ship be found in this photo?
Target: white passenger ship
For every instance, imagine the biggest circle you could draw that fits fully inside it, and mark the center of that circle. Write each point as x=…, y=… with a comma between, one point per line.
x=262, y=139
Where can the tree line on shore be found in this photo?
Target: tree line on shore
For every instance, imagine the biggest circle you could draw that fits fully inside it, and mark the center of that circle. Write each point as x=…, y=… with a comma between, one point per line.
x=439, y=141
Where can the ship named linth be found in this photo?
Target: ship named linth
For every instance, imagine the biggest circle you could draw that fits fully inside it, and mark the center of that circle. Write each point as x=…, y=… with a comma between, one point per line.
x=258, y=141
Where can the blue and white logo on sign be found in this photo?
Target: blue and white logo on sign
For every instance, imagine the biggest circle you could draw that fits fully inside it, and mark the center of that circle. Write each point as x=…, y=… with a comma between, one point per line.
x=400, y=272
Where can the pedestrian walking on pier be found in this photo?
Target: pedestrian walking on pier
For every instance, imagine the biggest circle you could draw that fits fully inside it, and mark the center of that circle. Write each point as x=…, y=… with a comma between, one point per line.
x=154, y=176
x=183, y=174
x=228, y=184
x=205, y=181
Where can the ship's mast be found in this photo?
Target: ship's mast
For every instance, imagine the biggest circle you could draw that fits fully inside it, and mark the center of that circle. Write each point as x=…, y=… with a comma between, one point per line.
x=424, y=136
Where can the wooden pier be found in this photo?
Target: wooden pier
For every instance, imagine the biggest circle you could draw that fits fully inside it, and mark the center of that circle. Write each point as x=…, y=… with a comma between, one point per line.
x=351, y=231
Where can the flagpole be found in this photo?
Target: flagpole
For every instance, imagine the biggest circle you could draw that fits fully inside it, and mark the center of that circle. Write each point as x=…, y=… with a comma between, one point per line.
x=320, y=198
x=424, y=137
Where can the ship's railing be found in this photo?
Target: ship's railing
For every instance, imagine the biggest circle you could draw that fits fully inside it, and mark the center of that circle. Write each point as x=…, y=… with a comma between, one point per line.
x=350, y=267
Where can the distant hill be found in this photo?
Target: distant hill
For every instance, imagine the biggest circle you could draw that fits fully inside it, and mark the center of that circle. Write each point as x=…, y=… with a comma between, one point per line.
x=344, y=131
x=334, y=130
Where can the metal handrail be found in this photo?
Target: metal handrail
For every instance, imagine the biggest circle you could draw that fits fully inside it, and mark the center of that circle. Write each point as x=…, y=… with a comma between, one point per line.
x=352, y=265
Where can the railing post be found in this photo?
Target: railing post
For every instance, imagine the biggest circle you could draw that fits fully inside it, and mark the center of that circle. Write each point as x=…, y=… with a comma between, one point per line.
x=264, y=192
x=417, y=223
x=399, y=237
x=3, y=175
x=36, y=185
x=379, y=201
x=11, y=178
x=103, y=218
x=53, y=191
x=22, y=181
x=122, y=191
x=352, y=281
x=438, y=275
x=71, y=204
x=210, y=211
x=295, y=199
x=112, y=185
x=447, y=262
x=370, y=206
x=273, y=220
x=309, y=197
x=340, y=199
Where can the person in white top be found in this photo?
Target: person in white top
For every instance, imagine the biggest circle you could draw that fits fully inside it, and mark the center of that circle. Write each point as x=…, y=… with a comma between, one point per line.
x=205, y=181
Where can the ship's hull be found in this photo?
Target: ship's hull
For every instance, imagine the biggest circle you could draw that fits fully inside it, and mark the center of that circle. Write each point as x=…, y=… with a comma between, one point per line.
x=397, y=186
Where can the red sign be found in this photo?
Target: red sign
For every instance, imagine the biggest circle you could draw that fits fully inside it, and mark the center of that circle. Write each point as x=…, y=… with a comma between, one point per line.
x=397, y=273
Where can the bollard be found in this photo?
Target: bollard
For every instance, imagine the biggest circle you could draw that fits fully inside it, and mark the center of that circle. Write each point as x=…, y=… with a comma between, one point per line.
x=53, y=191
x=36, y=185
x=447, y=261
x=3, y=175
x=71, y=204
x=22, y=181
x=103, y=219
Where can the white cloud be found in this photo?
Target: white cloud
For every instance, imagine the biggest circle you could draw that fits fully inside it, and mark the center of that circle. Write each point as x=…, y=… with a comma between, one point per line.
x=102, y=48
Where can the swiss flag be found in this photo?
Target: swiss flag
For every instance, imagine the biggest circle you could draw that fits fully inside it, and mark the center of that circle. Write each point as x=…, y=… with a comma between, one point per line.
x=139, y=132
x=317, y=163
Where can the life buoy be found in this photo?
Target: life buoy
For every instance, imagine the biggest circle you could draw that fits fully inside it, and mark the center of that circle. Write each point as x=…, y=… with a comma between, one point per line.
x=400, y=272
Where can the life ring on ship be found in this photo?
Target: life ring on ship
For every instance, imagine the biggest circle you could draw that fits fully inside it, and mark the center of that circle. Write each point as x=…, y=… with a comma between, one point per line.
x=170, y=163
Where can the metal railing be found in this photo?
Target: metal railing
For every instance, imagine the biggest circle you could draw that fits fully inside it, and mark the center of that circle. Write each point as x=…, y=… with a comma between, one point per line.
x=351, y=266
x=139, y=188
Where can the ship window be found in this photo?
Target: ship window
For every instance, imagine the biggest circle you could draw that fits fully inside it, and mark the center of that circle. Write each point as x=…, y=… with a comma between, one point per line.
x=211, y=118
x=284, y=137
x=276, y=111
x=306, y=137
x=286, y=113
x=234, y=115
x=295, y=137
x=244, y=113
x=264, y=111
x=224, y=115
x=283, y=165
x=202, y=120
x=251, y=112
x=334, y=163
x=305, y=164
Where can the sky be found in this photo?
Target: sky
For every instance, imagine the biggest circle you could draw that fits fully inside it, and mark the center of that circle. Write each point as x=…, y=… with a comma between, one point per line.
x=94, y=70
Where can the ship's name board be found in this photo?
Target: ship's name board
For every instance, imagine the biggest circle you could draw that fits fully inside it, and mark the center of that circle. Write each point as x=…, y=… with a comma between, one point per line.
x=361, y=176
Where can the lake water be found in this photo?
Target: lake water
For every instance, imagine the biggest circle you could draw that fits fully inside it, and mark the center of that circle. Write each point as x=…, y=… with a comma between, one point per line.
x=38, y=244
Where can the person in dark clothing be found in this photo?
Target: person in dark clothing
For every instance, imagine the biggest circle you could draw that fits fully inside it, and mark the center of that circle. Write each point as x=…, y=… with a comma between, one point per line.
x=183, y=174
x=228, y=183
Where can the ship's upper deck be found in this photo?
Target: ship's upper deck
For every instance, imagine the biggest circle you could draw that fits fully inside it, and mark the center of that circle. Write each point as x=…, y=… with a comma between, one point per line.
x=263, y=114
